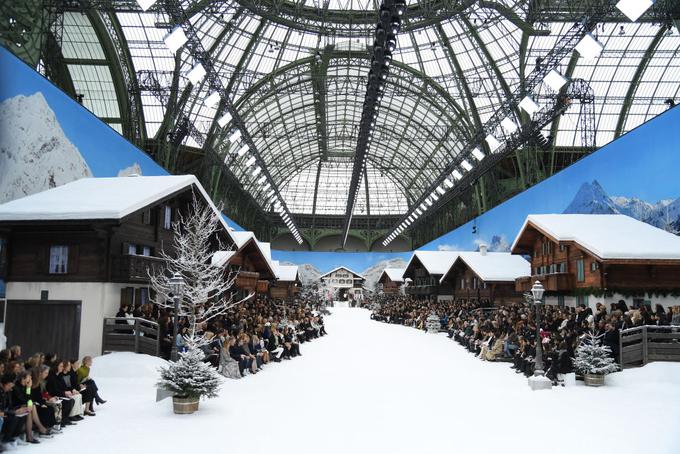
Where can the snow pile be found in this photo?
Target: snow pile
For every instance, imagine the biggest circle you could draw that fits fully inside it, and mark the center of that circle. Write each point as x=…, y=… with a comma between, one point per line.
x=410, y=392
x=35, y=154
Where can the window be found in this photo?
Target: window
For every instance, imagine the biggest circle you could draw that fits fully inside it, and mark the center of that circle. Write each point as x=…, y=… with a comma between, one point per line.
x=132, y=249
x=553, y=268
x=167, y=217
x=146, y=251
x=562, y=249
x=580, y=271
x=475, y=285
x=462, y=283
x=594, y=266
x=582, y=299
x=143, y=295
x=563, y=267
x=58, y=259
x=146, y=217
x=560, y=300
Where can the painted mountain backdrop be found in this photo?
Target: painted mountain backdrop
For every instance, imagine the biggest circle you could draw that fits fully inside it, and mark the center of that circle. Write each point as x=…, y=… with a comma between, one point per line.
x=35, y=154
x=591, y=198
x=309, y=274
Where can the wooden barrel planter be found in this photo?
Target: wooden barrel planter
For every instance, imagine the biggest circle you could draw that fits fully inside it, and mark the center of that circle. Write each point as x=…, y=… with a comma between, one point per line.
x=185, y=405
x=593, y=379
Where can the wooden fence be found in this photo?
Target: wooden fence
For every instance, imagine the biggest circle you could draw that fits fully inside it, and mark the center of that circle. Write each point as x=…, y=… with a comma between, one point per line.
x=136, y=335
x=643, y=344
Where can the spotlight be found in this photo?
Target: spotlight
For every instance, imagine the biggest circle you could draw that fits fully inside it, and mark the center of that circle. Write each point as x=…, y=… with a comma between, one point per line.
x=477, y=154
x=509, y=125
x=555, y=80
x=224, y=119
x=196, y=74
x=589, y=47
x=529, y=105
x=145, y=4
x=493, y=143
x=633, y=9
x=175, y=39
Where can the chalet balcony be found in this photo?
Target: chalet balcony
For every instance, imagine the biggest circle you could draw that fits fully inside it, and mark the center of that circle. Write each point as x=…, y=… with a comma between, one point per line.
x=247, y=280
x=421, y=290
x=134, y=268
x=555, y=282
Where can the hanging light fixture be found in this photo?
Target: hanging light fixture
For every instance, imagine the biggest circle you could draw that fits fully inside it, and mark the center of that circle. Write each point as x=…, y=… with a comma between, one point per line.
x=224, y=119
x=196, y=74
x=175, y=39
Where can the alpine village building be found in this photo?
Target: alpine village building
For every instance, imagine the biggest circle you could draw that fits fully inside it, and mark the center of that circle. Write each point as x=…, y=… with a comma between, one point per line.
x=425, y=270
x=73, y=254
x=344, y=284
x=486, y=277
x=391, y=281
x=599, y=258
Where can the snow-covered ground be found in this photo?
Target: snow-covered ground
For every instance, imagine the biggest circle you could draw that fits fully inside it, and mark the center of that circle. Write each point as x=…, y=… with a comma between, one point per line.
x=369, y=387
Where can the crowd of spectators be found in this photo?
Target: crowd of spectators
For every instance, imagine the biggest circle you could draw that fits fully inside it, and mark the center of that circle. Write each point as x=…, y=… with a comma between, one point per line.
x=509, y=332
x=253, y=333
x=42, y=394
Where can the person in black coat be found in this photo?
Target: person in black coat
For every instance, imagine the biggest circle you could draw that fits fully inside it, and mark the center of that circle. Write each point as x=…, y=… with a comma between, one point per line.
x=70, y=378
x=57, y=388
x=21, y=399
x=611, y=339
x=238, y=353
x=46, y=412
x=12, y=425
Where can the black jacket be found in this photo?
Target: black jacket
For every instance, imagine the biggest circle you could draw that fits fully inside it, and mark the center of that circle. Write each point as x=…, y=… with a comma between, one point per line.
x=56, y=386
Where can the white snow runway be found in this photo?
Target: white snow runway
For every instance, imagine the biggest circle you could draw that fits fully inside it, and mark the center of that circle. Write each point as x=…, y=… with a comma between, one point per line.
x=369, y=387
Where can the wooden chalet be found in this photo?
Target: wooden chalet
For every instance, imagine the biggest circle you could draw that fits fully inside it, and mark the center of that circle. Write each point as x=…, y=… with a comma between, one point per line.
x=391, y=281
x=486, y=277
x=591, y=258
x=425, y=269
x=287, y=284
x=75, y=253
x=344, y=283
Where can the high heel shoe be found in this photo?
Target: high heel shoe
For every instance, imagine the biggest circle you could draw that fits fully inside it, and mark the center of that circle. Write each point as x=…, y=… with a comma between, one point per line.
x=90, y=413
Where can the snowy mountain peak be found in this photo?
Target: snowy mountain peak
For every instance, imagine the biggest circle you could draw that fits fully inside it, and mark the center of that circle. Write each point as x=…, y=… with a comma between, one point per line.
x=372, y=273
x=35, y=154
x=591, y=198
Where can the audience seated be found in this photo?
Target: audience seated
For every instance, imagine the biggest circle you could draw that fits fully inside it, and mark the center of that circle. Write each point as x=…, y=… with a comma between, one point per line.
x=41, y=395
x=508, y=332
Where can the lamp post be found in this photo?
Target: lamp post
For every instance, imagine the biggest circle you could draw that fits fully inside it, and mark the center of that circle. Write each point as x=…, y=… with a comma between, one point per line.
x=539, y=380
x=177, y=288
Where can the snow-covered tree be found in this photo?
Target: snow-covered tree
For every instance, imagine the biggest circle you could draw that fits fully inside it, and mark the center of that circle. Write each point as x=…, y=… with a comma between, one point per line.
x=207, y=284
x=190, y=376
x=594, y=358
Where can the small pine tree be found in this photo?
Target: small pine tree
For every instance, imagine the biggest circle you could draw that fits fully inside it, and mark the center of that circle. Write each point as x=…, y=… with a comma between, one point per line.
x=190, y=376
x=594, y=358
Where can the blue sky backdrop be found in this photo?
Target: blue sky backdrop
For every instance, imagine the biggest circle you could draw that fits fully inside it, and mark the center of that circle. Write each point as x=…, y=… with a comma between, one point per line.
x=643, y=164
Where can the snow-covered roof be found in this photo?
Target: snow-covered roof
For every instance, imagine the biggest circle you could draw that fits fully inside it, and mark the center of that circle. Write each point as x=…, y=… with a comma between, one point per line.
x=288, y=273
x=341, y=268
x=241, y=237
x=394, y=274
x=220, y=258
x=96, y=198
x=435, y=262
x=607, y=236
x=494, y=266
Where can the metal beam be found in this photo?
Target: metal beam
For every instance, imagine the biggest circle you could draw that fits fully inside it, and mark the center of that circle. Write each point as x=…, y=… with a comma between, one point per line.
x=635, y=81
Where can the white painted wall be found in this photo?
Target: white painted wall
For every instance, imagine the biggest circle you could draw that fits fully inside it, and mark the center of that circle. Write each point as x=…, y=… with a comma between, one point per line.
x=98, y=300
x=570, y=301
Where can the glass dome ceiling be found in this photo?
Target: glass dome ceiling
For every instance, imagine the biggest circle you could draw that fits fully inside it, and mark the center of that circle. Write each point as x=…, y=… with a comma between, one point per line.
x=296, y=72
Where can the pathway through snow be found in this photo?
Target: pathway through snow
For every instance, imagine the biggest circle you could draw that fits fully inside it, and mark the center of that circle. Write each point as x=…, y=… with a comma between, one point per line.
x=370, y=387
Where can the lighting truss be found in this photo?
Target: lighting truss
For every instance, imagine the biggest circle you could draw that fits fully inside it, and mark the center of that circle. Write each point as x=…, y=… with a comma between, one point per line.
x=389, y=24
x=546, y=66
x=194, y=46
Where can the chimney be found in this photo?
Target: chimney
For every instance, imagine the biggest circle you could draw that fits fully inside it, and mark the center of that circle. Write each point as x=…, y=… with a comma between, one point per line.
x=483, y=248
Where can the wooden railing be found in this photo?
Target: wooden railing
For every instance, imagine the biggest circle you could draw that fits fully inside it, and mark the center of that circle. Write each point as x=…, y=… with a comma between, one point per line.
x=136, y=335
x=134, y=268
x=643, y=344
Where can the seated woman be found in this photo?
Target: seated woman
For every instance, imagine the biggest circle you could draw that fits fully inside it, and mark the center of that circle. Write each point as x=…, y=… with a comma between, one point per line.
x=83, y=378
x=237, y=353
x=291, y=347
x=72, y=403
x=71, y=379
x=257, y=348
x=47, y=410
x=23, y=404
x=274, y=345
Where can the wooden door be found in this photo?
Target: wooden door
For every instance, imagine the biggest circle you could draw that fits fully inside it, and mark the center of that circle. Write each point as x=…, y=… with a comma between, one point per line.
x=44, y=326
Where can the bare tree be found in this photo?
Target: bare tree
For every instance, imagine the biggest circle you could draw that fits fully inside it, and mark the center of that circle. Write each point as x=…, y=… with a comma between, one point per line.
x=207, y=284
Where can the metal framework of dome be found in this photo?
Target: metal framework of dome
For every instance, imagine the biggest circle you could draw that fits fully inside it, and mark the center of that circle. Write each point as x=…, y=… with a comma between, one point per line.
x=281, y=141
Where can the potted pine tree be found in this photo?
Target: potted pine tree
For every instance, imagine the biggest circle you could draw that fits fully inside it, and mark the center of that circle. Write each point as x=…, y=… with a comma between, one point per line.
x=594, y=361
x=189, y=379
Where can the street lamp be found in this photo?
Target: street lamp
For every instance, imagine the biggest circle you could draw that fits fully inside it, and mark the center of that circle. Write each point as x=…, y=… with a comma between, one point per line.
x=539, y=380
x=177, y=284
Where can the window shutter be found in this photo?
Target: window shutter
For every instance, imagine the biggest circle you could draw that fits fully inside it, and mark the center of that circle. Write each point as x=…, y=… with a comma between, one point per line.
x=72, y=259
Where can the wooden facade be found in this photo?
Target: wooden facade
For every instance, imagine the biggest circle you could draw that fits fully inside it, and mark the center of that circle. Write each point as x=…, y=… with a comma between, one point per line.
x=424, y=284
x=389, y=286
x=564, y=267
x=468, y=286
